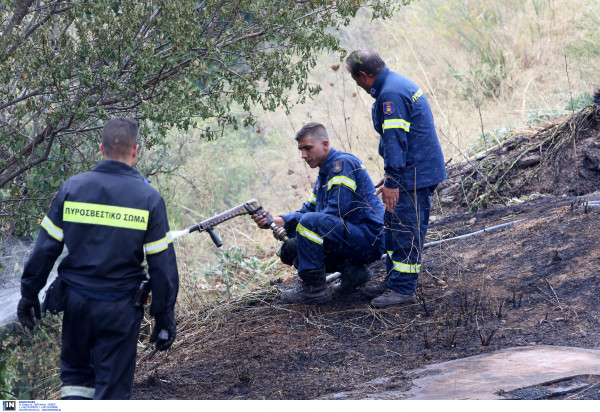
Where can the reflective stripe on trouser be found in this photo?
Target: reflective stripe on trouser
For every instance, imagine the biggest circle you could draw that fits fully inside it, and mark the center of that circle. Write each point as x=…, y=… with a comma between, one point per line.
x=81, y=392
x=99, y=343
x=405, y=231
x=320, y=235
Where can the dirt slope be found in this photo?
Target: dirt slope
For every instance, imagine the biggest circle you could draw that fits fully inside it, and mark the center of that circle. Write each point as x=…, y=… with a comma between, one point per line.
x=532, y=283
x=560, y=159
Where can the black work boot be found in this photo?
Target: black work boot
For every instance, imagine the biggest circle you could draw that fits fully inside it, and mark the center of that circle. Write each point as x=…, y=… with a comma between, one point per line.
x=375, y=290
x=312, y=290
x=353, y=276
x=391, y=297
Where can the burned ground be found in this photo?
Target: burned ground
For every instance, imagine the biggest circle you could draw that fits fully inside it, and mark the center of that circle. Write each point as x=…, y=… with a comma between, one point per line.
x=534, y=282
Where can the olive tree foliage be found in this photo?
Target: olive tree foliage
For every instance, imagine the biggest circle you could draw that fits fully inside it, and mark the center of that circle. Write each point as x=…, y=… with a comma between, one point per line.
x=67, y=66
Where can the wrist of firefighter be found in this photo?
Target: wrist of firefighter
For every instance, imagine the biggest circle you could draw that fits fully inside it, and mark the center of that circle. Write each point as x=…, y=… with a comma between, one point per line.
x=391, y=183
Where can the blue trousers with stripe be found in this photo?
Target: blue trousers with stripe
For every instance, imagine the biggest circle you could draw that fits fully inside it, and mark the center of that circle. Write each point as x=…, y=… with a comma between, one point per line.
x=322, y=238
x=405, y=231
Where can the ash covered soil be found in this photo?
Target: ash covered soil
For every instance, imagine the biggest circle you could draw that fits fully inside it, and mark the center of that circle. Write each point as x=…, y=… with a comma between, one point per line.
x=536, y=282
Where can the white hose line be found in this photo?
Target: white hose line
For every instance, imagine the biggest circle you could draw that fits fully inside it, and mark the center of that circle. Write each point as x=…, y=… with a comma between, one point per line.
x=333, y=276
x=479, y=232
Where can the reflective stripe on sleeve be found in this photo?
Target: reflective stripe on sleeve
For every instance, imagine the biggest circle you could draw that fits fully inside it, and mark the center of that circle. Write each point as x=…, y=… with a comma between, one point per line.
x=341, y=180
x=81, y=391
x=309, y=234
x=396, y=124
x=105, y=215
x=416, y=96
x=404, y=267
x=313, y=198
x=52, y=229
x=159, y=245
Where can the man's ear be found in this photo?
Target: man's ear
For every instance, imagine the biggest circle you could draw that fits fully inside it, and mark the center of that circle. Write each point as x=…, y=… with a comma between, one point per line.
x=102, y=150
x=363, y=75
x=134, y=154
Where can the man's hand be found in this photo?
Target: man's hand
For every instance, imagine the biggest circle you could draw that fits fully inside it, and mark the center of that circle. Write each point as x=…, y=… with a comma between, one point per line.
x=24, y=308
x=261, y=222
x=389, y=197
x=164, y=331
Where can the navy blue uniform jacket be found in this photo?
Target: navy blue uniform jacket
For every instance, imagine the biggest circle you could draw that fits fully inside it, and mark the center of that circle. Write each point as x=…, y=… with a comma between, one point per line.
x=343, y=189
x=108, y=218
x=409, y=145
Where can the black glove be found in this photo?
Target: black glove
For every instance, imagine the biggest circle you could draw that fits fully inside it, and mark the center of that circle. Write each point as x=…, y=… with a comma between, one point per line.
x=288, y=252
x=24, y=311
x=164, y=331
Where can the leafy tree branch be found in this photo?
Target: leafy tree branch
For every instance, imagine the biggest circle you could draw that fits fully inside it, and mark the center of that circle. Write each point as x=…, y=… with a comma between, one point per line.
x=67, y=66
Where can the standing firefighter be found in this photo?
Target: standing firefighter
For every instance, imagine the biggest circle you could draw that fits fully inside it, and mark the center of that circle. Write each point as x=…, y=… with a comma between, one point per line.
x=107, y=218
x=413, y=164
x=339, y=227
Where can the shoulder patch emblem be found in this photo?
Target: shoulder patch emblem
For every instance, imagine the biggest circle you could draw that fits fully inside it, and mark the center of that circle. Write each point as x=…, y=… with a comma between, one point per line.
x=389, y=108
x=338, y=166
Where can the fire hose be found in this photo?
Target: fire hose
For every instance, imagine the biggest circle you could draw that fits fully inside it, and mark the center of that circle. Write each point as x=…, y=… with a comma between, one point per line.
x=336, y=275
x=251, y=207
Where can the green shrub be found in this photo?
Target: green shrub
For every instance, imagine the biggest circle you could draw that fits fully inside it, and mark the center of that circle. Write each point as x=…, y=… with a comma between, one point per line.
x=30, y=361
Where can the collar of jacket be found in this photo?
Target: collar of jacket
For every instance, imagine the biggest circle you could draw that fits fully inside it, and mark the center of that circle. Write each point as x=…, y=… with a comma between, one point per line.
x=331, y=157
x=114, y=166
x=376, y=89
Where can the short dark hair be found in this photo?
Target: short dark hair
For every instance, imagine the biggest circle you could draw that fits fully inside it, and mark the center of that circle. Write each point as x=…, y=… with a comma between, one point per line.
x=364, y=61
x=119, y=136
x=313, y=129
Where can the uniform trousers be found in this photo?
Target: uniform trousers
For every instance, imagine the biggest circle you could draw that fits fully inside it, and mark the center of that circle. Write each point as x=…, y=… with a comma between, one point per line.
x=405, y=231
x=326, y=241
x=99, y=344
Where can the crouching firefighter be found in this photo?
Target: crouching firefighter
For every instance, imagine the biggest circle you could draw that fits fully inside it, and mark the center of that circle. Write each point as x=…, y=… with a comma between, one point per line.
x=108, y=218
x=339, y=228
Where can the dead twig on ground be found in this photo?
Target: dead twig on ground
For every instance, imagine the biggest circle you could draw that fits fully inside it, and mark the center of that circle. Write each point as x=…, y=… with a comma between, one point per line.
x=555, y=295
